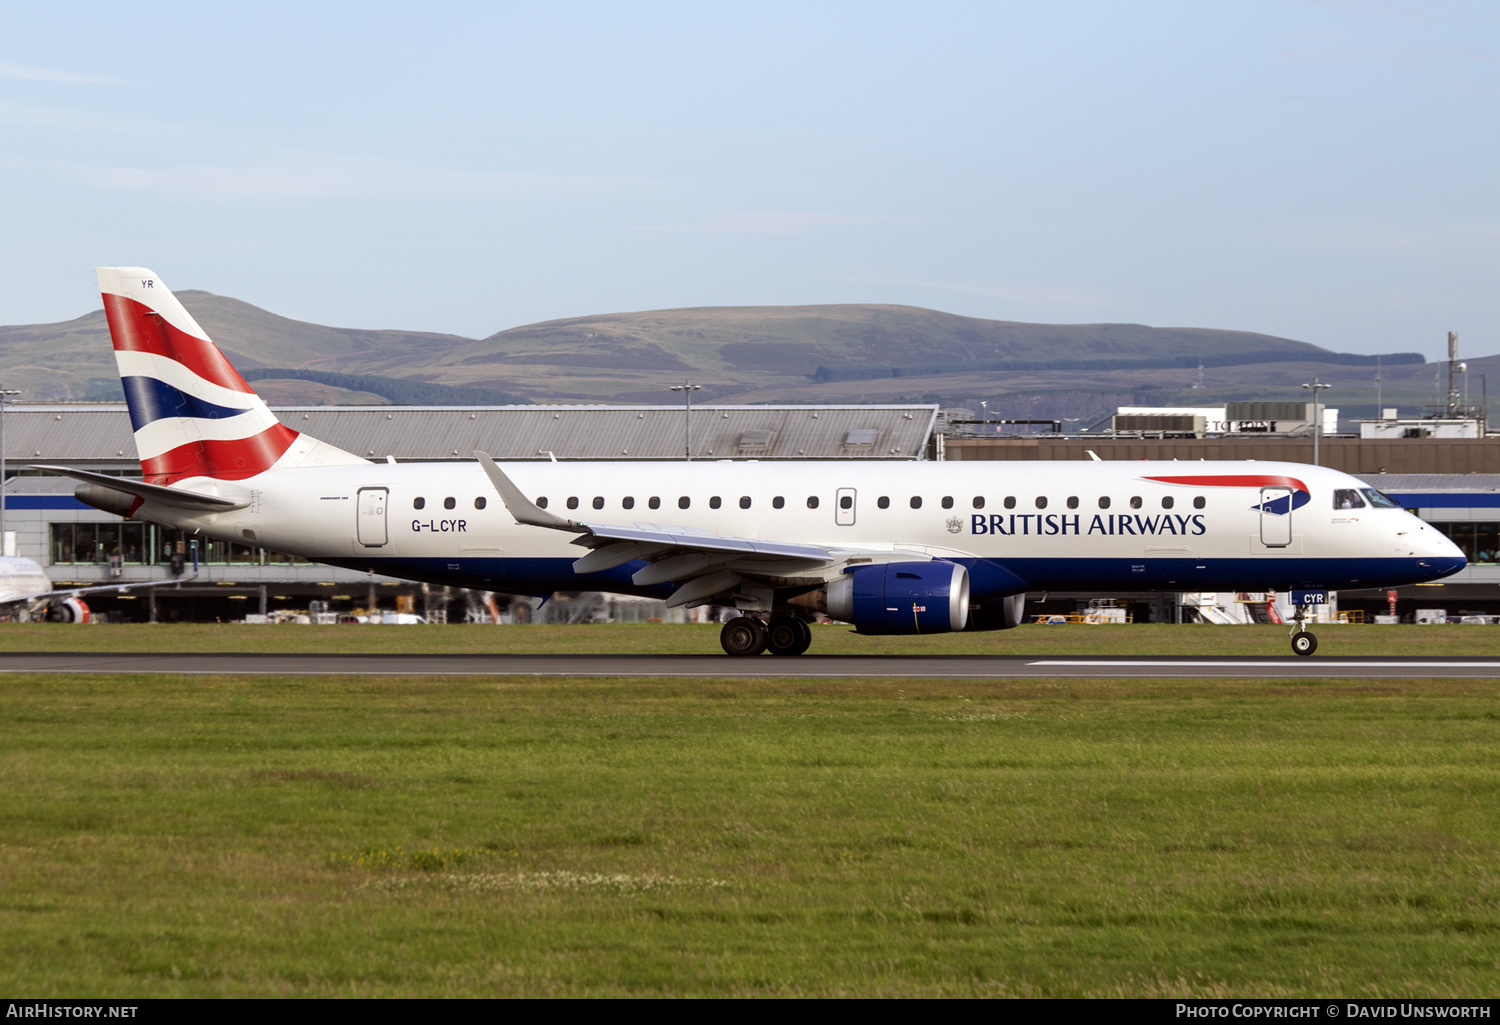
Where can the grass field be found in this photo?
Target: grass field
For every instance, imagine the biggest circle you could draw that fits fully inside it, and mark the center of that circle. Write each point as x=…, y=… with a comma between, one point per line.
x=168, y=836
x=652, y=638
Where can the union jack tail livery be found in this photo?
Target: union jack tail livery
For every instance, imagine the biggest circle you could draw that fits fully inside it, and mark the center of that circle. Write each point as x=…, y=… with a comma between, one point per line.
x=192, y=413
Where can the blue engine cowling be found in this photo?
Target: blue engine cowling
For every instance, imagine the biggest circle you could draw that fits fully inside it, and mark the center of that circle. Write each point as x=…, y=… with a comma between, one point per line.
x=902, y=598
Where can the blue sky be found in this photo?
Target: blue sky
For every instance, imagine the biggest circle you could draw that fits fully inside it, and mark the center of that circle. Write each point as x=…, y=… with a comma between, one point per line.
x=1324, y=171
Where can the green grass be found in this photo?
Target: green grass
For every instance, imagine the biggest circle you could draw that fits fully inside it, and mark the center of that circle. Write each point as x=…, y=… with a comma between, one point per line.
x=166, y=836
x=655, y=638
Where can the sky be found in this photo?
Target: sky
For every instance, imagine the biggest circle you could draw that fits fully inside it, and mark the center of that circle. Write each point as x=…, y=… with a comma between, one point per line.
x=1325, y=171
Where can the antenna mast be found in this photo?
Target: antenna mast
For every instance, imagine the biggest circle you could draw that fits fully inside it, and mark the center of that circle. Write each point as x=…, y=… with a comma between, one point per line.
x=1453, y=370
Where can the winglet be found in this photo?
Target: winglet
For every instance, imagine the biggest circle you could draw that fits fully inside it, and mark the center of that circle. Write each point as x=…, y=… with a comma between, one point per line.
x=522, y=508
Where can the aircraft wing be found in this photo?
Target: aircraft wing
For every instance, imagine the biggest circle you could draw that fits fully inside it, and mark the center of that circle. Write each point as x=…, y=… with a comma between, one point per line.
x=73, y=592
x=703, y=564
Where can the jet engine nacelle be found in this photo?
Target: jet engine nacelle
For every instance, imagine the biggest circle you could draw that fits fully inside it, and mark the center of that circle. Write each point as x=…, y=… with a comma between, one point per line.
x=902, y=598
x=73, y=610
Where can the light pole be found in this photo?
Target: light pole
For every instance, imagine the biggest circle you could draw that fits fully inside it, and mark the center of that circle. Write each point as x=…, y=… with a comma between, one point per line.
x=1316, y=387
x=5, y=393
x=687, y=388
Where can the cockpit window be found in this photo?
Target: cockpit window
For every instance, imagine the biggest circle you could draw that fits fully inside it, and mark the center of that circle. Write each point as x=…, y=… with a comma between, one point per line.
x=1380, y=501
x=1347, y=498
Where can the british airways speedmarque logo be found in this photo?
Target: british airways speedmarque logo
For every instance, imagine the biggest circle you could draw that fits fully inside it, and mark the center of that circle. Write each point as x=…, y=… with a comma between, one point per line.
x=1279, y=506
x=1279, y=496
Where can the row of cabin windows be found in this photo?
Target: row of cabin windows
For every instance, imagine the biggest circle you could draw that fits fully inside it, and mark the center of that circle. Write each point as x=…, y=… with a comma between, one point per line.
x=845, y=502
x=449, y=503
x=1343, y=499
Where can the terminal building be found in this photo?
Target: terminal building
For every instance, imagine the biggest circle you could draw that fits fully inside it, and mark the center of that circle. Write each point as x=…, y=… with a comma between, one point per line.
x=1452, y=481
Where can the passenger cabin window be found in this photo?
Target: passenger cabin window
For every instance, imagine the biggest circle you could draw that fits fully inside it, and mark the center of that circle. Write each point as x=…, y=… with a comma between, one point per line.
x=947, y=501
x=653, y=502
x=916, y=501
x=684, y=502
x=883, y=502
x=1135, y=501
x=979, y=501
x=480, y=502
x=573, y=502
x=1010, y=501
x=778, y=502
x=715, y=502
x=541, y=503
x=1072, y=501
x=598, y=502
x=450, y=503
x=744, y=501
x=1199, y=503
x=812, y=501
x=846, y=501
x=421, y=503
x=1104, y=502
x=1166, y=501
x=1347, y=498
x=1041, y=502
x=627, y=502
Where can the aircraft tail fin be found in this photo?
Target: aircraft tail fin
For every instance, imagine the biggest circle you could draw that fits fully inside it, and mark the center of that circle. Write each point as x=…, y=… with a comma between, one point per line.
x=192, y=413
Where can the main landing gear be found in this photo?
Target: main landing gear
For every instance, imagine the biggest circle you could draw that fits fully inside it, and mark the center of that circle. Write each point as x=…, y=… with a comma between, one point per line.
x=1303, y=643
x=784, y=635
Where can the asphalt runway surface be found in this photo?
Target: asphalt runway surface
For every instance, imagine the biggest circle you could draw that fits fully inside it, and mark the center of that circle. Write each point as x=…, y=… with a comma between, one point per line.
x=869, y=667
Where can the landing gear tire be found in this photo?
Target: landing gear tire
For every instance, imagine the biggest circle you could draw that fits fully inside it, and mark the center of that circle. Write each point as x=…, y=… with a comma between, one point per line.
x=789, y=635
x=1304, y=643
x=744, y=635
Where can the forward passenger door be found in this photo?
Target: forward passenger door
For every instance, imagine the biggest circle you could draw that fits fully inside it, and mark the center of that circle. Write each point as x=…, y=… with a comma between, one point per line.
x=1275, y=527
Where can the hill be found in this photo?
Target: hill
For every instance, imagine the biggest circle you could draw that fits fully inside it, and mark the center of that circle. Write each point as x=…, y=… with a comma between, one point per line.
x=835, y=353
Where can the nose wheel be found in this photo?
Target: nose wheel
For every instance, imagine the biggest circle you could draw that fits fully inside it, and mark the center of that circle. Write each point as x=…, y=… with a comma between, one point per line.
x=1303, y=643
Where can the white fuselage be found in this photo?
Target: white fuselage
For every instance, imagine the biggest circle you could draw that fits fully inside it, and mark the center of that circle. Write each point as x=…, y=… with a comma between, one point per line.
x=445, y=523
x=20, y=579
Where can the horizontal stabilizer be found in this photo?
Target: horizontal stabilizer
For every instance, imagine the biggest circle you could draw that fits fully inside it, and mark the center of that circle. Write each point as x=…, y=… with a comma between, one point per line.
x=174, y=497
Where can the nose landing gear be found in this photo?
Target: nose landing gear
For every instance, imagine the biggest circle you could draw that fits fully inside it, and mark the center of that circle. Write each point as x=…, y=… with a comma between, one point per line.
x=1303, y=642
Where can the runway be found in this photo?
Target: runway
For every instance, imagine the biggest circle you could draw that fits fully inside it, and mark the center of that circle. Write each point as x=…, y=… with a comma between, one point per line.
x=843, y=667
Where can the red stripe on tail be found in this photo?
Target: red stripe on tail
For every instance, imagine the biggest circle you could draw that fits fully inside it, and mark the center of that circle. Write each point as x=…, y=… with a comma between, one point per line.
x=134, y=328
x=222, y=460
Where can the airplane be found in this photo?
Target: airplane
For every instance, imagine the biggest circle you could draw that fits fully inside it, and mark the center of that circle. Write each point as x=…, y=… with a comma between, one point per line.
x=27, y=592
x=904, y=548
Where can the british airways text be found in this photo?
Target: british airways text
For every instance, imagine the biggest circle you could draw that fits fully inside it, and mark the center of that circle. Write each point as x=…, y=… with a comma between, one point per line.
x=1043, y=524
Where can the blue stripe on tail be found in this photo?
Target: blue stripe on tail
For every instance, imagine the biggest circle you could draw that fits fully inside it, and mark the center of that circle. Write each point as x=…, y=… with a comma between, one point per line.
x=151, y=400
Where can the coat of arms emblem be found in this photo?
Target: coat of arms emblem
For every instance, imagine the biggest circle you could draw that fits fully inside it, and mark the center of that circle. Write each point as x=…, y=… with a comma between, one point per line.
x=955, y=524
